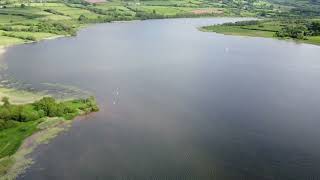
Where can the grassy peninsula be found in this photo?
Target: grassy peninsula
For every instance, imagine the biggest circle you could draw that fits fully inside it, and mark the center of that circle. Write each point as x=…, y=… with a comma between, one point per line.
x=297, y=20
x=37, y=122
x=307, y=31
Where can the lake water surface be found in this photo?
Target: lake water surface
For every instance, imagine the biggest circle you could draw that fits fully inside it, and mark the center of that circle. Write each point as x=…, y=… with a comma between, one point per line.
x=177, y=103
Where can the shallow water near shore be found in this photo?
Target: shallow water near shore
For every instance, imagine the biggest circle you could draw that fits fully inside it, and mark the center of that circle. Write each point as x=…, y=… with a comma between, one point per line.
x=178, y=103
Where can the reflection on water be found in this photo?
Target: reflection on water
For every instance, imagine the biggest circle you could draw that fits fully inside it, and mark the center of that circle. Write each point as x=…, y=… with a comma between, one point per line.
x=177, y=103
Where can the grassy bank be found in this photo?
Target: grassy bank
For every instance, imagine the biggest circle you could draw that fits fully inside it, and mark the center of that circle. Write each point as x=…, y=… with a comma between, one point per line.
x=33, y=124
x=298, y=30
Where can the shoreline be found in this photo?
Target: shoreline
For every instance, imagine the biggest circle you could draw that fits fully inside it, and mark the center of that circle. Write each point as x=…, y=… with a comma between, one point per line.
x=3, y=48
x=255, y=34
x=42, y=131
x=21, y=160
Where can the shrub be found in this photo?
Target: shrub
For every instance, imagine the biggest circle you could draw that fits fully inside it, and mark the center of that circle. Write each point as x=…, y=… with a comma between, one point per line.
x=29, y=114
x=314, y=28
x=46, y=107
x=82, y=18
x=52, y=11
x=292, y=31
x=4, y=113
x=5, y=124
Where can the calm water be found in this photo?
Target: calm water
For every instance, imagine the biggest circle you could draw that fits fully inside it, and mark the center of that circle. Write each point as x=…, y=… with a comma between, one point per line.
x=177, y=103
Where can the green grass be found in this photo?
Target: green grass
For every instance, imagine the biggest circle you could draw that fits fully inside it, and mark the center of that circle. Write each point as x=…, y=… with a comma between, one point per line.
x=12, y=166
x=11, y=139
x=73, y=12
x=37, y=35
x=47, y=117
x=6, y=41
x=313, y=40
x=238, y=31
x=6, y=19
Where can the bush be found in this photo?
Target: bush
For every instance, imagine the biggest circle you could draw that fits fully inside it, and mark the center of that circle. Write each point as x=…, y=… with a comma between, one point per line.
x=29, y=114
x=52, y=27
x=52, y=11
x=4, y=124
x=314, y=28
x=292, y=31
x=4, y=113
x=243, y=23
x=82, y=18
x=46, y=107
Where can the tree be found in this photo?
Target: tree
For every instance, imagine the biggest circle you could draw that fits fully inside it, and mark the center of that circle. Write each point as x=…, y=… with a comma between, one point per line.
x=82, y=18
x=293, y=31
x=5, y=101
x=314, y=28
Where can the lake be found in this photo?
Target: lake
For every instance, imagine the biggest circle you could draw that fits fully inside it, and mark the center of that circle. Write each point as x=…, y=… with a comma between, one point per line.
x=178, y=103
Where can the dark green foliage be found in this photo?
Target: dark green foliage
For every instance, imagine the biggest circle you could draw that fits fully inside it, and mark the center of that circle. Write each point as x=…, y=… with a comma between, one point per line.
x=293, y=31
x=52, y=11
x=82, y=18
x=7, y=124
x=298, y=29
x=28, y=113
x=314, y=28
x=82, y=2
x=17, y=122
x=5, y=113
x=51, y=108
x=145, y=15
x=28, y=38
x=243, y=23
x=52, y=27
x=46, y=107
x=6, y=28
x=5, y=101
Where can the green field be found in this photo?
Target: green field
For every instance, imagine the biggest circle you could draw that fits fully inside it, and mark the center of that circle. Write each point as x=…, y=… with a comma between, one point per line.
x=6, y=41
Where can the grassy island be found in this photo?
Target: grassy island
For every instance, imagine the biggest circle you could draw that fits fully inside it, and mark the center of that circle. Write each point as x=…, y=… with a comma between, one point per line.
x=307, y=31
x=23, y=127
